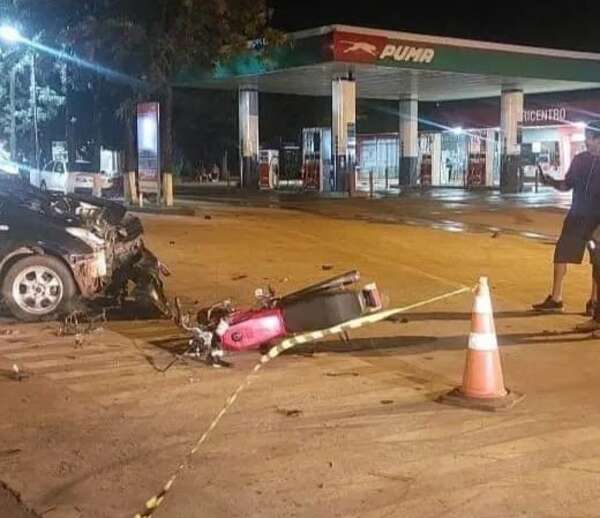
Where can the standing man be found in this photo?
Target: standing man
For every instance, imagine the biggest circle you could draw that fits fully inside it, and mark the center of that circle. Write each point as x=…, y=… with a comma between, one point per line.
x=583, y=178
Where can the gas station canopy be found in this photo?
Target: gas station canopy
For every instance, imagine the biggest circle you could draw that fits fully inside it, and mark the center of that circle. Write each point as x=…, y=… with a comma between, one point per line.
x=389, y=65
x=345, y=63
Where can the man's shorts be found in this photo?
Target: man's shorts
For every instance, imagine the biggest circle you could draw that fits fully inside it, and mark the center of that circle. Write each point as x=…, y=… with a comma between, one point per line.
x=574, y=238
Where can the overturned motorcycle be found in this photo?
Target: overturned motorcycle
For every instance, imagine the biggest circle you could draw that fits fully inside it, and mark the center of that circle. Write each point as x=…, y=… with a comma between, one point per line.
x=223, y=328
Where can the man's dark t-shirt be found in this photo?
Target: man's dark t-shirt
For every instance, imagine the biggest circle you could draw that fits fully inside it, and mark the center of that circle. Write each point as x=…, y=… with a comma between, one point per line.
x=584, y=178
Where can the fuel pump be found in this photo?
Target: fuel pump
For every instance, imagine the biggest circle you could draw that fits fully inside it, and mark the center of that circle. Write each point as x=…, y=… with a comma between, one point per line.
x=268, y=169
x=476, y=169
x=425, y=151
x=316, y=159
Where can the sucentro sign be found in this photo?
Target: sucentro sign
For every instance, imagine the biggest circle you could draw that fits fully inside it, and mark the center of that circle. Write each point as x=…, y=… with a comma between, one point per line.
x=545, y=115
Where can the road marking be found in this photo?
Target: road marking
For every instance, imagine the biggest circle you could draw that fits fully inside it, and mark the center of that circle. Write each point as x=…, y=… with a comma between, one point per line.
x=25, y=343
x=82, y=373
x=66, y=362
x=81, y=351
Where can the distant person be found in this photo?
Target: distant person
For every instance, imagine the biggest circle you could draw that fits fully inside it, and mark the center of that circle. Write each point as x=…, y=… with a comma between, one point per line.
x=215, y=174
x=583, y=178
x=449, y=169
x=201, y=174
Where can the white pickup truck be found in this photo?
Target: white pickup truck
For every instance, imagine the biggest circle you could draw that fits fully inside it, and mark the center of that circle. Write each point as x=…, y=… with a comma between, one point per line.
x=71, y=177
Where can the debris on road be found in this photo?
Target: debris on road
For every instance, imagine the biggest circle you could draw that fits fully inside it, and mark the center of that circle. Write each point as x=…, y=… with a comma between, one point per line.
x=8, y=332
x=10, y=453
x=79, y=341
x=64, y=468
x=79, y=323
x=239, y=277
x=290, y=413
x=396, y=319
x=327, y=267
x=18, y=374
x=340, y=374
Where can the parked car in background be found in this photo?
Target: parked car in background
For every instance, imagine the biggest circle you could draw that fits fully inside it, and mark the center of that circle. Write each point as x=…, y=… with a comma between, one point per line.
x=72, y=177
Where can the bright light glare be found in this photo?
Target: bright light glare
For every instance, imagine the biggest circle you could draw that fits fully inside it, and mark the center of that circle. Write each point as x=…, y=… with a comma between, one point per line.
x=457, y=131
x=10, y=34
x=148, y=134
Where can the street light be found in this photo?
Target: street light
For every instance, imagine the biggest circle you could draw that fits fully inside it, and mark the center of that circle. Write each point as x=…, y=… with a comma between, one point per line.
x=10, y=34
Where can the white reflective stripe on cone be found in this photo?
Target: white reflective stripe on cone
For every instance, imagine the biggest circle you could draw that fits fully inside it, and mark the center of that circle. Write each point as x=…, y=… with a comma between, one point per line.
x=483, y=342
x=483, y=288
x=483, y=306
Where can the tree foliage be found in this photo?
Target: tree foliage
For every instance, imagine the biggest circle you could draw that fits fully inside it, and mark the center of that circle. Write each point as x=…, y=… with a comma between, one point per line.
x=138, y=45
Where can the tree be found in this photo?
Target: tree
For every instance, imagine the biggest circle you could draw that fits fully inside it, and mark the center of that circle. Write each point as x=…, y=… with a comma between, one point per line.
x=149, y=43
x=181, y=33
x=15, y=67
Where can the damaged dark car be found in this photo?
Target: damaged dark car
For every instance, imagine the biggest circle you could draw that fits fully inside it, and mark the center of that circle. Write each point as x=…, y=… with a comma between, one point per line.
x=61, y=253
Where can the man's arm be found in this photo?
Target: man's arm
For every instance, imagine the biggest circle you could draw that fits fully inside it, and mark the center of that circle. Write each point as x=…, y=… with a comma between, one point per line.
x=559, y=185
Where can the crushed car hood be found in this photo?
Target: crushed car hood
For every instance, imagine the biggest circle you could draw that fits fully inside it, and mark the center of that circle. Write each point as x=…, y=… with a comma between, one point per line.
x=61, y=209
x=37, y=218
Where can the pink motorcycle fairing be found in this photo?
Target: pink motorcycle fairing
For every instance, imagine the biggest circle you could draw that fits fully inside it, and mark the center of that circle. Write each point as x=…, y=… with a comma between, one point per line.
x=248, y=330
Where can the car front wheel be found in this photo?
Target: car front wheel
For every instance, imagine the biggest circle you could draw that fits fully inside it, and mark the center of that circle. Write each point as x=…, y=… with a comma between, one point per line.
x=38, y=287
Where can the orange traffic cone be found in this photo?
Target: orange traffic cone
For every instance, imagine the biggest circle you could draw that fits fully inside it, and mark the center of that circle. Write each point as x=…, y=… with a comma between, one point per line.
x=483, y=382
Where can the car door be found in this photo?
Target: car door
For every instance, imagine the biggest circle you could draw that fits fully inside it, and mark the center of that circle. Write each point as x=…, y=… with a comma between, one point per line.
x=4, y=231
x=46, y=176
x=59, y=177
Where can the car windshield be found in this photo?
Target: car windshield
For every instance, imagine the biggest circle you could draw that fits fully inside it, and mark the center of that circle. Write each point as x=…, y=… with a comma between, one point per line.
x=81, y=167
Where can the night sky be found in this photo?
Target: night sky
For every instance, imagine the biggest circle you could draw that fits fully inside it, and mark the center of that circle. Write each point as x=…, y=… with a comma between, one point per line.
x=569, y=25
